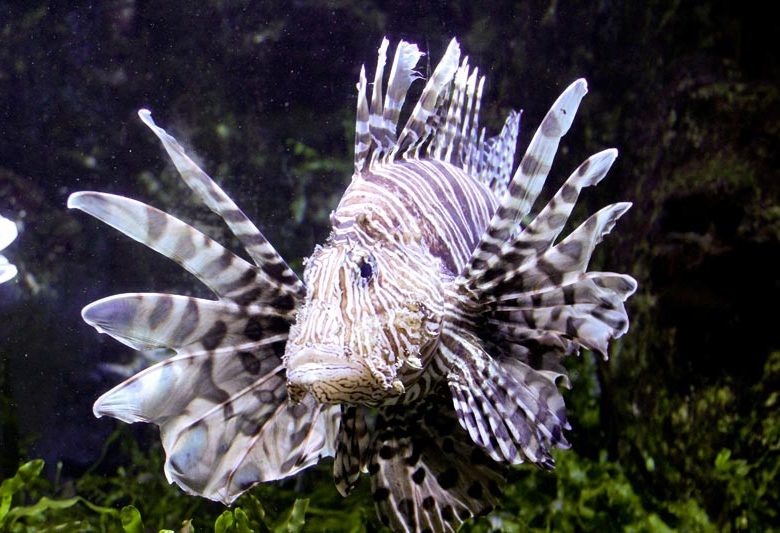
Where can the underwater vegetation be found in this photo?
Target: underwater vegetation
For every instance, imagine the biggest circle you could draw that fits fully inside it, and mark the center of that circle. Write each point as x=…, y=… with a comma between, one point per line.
x=679, y=431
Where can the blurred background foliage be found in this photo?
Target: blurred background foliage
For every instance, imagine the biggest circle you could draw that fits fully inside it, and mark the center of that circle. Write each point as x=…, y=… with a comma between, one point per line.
x=678, y=431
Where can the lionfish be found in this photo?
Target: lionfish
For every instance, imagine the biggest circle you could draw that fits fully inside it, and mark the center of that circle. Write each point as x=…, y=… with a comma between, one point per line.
x=424, y=345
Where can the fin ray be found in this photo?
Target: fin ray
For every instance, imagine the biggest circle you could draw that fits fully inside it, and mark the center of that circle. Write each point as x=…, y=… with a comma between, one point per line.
x=224, y=418
x=273, y=270
x=528, y=178
x=222, y=271
x=505, y=408
x=147, y=320
x=425, y=475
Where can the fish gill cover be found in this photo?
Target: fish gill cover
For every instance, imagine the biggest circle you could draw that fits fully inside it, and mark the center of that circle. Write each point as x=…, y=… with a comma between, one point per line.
x=424, y=345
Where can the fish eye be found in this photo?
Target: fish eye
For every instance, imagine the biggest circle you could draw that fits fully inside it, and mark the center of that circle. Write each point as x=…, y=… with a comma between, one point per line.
x=366, y=270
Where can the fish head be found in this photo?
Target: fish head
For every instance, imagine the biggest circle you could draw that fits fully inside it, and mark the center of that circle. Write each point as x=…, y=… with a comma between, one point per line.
x=369, y=324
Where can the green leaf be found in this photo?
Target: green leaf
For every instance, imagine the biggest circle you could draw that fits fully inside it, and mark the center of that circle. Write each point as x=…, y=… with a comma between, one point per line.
x=26, y=473
x=242, y=521
x=722, y=460
x=296, y=518
x=131, y=520
x=224, y=522
x=45, y=504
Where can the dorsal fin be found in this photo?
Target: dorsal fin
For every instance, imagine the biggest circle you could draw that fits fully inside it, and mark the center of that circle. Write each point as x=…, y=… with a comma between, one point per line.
x=402, y=74
x=443, y=125
x=417, y=130
x=376, y=125
x=362, y=135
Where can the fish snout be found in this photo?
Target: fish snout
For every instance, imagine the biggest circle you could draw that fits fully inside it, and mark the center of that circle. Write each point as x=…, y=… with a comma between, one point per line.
x=330, y=376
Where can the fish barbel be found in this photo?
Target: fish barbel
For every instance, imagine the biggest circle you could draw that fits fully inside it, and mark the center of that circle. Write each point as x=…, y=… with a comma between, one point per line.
x=423, y=346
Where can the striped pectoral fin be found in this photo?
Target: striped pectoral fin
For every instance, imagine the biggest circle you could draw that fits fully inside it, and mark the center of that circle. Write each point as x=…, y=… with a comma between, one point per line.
x=199, y=380
x=224, y=418
x=514, y=412
x=543, y=351
x=541, y=327
x=566, y=261
x=621, y=285
x=588, y=311
x=542, y=231
x=220, y=458
x=518, y=267
x=273, y=270
x=425, y=474
x=222, y=271
x=351, y=448
x=590, y=325
x=529, y=177
x=144, y=320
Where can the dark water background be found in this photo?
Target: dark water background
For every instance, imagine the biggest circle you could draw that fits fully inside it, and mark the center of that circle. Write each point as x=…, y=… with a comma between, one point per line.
x=264, y=93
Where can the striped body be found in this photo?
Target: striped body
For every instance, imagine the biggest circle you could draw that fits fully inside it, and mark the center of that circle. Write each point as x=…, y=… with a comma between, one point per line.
x=423, y=346
x=435, y=203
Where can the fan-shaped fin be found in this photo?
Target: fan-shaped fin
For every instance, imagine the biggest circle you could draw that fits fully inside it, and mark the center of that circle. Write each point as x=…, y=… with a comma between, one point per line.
x=589, y=310
x=548, y=224
x=273, y=269
x=564, y=262
x=221, y=459
x=144, y=321
x=529, y=177
x=540, y=234
x=224, y=418
x=515, y=270
x=509, y=409
x=222, y=271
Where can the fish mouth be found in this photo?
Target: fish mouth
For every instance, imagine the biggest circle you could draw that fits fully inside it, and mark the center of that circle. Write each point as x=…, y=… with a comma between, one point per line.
x=331, y=378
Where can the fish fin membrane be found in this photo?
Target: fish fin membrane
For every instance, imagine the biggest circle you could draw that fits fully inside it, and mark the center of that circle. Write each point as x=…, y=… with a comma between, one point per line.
x=222, y=271
x=221, y=402
x=273, y=270
x=527, y=295
x=425, y=475
x=538, y=301
x=443, y=124
x=351, y=448
x=514, y=412
x=224, y=418
x=146, y=320
x=529, y=177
